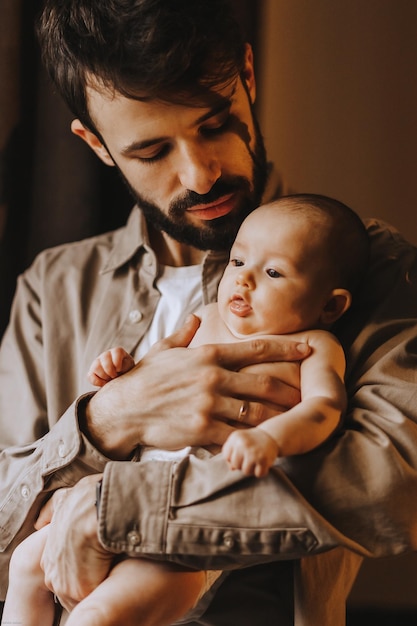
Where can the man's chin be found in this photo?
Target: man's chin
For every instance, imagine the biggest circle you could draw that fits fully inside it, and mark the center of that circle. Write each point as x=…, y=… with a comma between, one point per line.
x=217, y=241
x=220, y=233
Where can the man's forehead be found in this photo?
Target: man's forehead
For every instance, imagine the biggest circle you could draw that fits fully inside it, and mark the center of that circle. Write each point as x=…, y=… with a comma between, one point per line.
x=99, y=93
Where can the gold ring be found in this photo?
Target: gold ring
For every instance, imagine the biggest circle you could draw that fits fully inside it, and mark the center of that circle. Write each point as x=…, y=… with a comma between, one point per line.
x=243, y=411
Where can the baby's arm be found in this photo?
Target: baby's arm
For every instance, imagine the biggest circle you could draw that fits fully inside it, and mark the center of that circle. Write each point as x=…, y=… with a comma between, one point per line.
x=305, y=426
x=109, y=365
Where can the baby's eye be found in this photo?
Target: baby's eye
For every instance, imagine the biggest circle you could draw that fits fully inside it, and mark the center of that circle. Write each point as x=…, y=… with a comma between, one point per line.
x=236, y=262
x=273, y=273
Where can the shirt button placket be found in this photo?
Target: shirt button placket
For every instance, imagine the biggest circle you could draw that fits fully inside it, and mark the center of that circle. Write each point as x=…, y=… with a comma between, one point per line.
x=135, y=316
x=25, y=492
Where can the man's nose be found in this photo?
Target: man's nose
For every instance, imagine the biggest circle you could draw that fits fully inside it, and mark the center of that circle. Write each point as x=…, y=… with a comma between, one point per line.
x=199, y=168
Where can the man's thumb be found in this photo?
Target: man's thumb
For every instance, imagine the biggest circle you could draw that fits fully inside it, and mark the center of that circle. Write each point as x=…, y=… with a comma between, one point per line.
x=181, y=338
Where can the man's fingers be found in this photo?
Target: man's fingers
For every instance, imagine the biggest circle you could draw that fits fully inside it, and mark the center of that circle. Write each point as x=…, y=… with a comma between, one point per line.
x=230, y=410
x=221, y=432
x=181, y=338
x=237, y=355
x=267, y=396
x=72, y=559
x=45, y=515
x=47, y=511
x=248, y=413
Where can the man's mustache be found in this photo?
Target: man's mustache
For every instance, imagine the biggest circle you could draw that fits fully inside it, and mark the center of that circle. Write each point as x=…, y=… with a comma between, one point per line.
x=221, y=188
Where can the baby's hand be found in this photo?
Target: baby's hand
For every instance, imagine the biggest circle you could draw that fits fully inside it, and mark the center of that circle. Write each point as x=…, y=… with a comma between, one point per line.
x=109, y=365
x=253, y=451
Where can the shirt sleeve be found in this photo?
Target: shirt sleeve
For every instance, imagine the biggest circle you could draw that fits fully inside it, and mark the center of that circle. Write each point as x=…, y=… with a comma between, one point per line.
x=41, y=446
x=358, y=490
x=28, y=473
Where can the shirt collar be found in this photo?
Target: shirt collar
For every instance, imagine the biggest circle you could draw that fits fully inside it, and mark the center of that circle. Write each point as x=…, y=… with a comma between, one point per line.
x=127, y=241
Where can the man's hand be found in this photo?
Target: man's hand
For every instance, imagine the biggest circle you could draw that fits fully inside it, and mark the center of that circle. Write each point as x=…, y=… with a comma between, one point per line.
x=73, y=560
x=177, y=396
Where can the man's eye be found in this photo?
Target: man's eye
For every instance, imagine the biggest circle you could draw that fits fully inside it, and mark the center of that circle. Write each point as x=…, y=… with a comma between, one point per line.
x=273, y=273
x=155, y=156
x=236, y=262
x=217, y=129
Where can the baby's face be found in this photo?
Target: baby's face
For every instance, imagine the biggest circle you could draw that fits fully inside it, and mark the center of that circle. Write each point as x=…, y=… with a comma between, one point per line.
x=276, y=281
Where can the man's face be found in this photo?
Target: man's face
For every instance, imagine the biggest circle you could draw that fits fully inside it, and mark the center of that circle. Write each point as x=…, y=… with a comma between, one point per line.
x=195, y=171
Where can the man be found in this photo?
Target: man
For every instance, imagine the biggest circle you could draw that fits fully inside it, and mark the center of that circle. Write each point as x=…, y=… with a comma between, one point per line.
x=163, y=90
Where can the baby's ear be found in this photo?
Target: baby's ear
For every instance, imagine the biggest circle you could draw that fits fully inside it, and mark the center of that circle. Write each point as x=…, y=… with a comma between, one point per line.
x=338, y=303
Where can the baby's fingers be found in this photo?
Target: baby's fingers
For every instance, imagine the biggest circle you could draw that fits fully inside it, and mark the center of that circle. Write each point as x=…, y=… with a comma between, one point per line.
x=121, y=362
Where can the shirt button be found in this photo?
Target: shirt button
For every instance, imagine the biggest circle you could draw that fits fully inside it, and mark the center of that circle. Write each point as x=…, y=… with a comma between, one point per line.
x=24, y=492
x=133, y=538
x=135, y=316
x=228, y=540
x=61, y=449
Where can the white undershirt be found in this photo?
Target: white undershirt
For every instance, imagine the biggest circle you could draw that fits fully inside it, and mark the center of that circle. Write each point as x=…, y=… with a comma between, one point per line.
x=180, y=289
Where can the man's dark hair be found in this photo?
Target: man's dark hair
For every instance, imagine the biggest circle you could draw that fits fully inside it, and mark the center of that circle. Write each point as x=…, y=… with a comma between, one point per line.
x=173, y=50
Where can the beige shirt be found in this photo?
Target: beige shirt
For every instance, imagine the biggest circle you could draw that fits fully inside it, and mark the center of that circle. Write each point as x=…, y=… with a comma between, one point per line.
x=358, y=491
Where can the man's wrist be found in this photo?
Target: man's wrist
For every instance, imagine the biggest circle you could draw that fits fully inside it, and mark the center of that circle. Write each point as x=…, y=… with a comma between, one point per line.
x=92, y=424
x=98, y=495
x=81, y=410
x=91, y=444
x=86, y=424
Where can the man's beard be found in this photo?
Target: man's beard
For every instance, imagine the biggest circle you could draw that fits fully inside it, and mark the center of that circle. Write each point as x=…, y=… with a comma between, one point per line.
x=219, y=233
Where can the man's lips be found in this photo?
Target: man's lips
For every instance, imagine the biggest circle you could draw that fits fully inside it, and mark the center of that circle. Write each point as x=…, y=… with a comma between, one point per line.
x=238, y=306
x=218, y=208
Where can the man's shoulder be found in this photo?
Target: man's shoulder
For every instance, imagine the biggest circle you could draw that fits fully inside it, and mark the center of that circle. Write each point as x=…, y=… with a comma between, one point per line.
x=101, y=251
x=386, y=239
x=393, y=262
x=387, y=296
x=71, y=261
x=78, y=249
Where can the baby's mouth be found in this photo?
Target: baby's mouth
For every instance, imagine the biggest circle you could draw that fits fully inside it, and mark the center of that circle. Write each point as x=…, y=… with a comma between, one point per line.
x=239, y=306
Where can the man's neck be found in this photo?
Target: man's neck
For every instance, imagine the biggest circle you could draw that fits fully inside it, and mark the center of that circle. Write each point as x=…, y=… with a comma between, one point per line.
x=173, y=253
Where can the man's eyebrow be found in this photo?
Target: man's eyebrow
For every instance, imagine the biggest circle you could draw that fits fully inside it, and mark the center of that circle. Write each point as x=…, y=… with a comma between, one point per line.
x=215, y=110
x=136, y=146
x=224, y=103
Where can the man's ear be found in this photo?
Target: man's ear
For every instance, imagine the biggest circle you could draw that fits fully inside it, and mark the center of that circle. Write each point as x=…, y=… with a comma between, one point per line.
x=339, y=301
x=248, y=74
x=92, y=140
